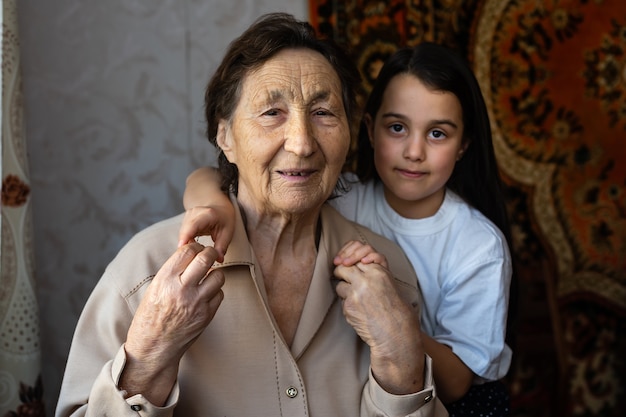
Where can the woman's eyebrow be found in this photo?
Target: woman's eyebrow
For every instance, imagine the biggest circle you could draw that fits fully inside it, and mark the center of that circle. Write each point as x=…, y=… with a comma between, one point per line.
x=274, y=96
x=322, y=95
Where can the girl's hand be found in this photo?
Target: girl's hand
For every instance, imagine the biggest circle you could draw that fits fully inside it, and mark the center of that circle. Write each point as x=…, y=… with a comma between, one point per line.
x=209, y=211
x=354, y=251
x=217, y=221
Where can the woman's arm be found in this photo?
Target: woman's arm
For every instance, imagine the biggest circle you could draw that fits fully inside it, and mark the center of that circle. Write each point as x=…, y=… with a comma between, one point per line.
x=452, y=377
x=178, y=304
x=208, y=210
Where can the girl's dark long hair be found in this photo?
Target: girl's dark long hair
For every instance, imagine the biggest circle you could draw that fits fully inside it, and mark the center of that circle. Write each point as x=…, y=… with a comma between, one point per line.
x=475, y=177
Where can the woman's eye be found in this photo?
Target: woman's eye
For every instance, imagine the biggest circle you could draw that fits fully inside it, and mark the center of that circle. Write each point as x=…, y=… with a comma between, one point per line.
x=271, y=112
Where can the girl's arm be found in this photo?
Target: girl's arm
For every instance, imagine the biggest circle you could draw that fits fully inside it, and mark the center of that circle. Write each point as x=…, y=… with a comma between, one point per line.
x=452, y=377
x=208, y=210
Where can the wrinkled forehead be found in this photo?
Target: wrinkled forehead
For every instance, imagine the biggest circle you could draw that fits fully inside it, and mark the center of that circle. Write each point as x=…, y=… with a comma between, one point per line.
x=292, y=74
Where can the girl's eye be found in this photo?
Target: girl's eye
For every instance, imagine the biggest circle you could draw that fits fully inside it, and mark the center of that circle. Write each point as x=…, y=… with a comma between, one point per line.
x=437, y=134
x=396, y=128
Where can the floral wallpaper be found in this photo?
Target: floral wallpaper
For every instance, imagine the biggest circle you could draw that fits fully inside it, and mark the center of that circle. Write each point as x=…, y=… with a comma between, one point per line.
x=114, y=123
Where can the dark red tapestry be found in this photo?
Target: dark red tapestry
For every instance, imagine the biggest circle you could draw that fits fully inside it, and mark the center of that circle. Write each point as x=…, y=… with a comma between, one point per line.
x=554, y=78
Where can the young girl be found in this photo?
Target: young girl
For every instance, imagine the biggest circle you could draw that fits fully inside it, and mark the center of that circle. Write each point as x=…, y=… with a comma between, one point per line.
x=428, y=181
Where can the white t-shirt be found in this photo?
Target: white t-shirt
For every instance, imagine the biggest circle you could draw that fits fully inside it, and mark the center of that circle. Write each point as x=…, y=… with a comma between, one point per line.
x=463, y=267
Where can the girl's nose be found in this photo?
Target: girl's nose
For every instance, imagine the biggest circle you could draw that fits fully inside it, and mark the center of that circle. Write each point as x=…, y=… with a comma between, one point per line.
x=414, y=149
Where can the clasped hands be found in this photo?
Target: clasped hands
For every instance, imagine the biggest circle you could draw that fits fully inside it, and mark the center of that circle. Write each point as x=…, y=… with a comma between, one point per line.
x=185, y=294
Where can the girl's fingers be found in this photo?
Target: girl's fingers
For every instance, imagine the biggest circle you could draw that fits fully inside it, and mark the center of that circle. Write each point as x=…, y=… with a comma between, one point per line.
x=347, y=254
x=354, y=252
x=196, y=222
x=375, y=258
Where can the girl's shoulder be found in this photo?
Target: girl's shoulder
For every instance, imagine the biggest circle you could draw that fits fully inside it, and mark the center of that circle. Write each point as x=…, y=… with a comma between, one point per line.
x=358, y=196
x=469, y=224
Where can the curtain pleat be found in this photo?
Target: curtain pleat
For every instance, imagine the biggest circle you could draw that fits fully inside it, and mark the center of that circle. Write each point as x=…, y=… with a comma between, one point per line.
x=20, y=377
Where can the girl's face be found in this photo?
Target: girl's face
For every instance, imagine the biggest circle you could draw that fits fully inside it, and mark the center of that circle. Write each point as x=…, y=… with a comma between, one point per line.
x=417, y=136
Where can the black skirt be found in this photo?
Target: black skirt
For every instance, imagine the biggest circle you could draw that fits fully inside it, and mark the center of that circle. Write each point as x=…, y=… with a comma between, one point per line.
x=487, y=400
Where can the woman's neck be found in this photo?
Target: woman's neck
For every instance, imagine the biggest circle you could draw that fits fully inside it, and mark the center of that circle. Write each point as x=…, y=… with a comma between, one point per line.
x=286, y=250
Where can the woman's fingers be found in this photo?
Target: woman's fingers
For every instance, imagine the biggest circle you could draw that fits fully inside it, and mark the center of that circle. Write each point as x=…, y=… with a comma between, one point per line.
x=179, y=303
x=198, y=268
x=179, y=260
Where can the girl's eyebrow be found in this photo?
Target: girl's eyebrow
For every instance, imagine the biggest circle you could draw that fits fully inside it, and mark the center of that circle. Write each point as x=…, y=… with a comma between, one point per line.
x=432, y=122
x=394, y=115
x=445, y=122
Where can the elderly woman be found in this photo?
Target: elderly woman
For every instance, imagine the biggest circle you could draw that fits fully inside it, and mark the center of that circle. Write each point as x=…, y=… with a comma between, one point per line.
x=272, y=329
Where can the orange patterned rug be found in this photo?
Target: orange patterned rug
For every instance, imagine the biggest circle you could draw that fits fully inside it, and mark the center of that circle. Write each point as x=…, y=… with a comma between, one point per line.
x=554, y=78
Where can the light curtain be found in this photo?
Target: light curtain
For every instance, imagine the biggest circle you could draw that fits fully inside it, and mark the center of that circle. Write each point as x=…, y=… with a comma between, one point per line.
x=20, y=378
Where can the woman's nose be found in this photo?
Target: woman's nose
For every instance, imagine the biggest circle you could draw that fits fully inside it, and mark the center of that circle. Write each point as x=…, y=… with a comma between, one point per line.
x=299, y=138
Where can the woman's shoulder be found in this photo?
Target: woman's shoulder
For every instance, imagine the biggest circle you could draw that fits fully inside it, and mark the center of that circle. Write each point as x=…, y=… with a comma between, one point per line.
x=142, y=256
x=342, y=230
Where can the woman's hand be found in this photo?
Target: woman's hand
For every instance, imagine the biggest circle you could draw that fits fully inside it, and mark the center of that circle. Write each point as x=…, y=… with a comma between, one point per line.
x=388, y=324
x=355, y=251
x=217, y=221
x=178, y=305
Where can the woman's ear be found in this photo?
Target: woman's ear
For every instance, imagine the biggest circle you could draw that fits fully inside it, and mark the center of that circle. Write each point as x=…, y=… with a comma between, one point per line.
x=369, y=123
x=224, y=140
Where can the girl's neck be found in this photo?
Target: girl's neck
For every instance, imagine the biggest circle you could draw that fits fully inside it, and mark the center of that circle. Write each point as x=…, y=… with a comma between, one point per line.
x=416, y=209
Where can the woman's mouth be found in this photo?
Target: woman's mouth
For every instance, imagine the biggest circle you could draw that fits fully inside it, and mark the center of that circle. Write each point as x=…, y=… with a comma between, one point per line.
x=296, y=173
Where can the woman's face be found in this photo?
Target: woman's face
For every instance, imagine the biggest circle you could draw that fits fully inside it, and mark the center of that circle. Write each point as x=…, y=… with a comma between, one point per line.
x=289, y=134
x=417, y=137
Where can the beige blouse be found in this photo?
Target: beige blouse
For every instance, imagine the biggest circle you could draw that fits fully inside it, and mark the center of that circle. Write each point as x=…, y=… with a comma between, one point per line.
x=240, y=365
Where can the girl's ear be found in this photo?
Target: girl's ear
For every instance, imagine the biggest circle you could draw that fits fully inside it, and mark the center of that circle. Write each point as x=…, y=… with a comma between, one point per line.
x=369, y=123
x=463, y=148
x=225, y=141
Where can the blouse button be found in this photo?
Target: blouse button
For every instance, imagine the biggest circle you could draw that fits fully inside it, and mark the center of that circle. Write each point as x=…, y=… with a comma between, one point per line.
x=135, y=407
x=291, y=392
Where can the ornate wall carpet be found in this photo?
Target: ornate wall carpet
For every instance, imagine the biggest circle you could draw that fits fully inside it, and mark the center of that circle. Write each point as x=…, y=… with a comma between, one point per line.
x=553, y=74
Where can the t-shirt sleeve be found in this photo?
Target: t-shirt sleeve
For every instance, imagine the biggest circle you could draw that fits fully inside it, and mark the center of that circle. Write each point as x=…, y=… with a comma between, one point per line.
x=473, y=313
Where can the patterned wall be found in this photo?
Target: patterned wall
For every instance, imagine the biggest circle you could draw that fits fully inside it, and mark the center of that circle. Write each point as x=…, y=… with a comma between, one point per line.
x=113, y=106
